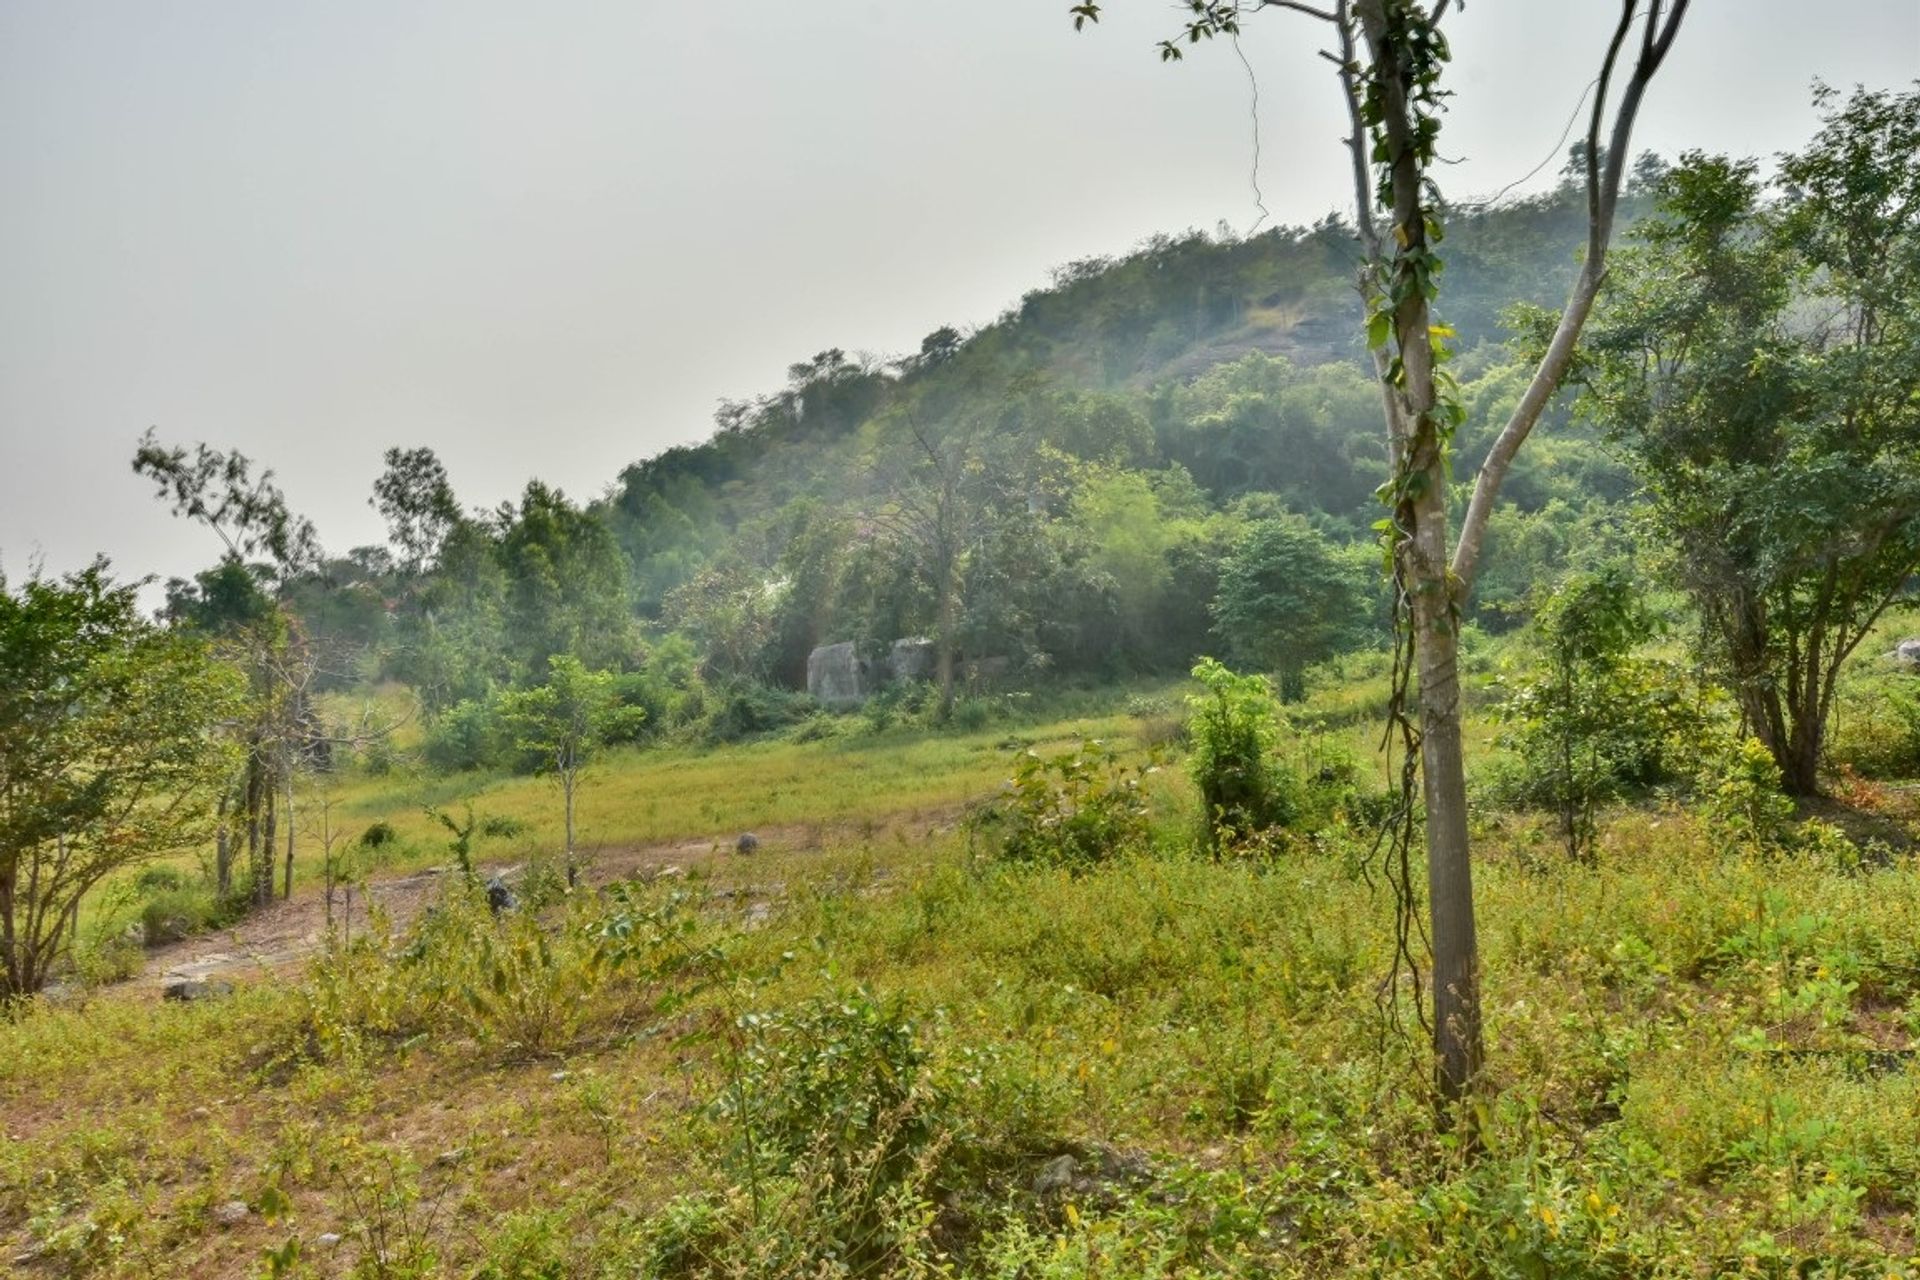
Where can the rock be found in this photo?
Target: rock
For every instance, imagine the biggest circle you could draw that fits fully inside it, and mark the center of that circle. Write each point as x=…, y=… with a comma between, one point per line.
x=1908, y=652
x=758, y=914
x=747, y=843
x=558, y=1076
x=27, y=1257
x=188, y=990
x=328, y=1239
x=499, y=897
x=1055, y=1176
x=837, y=676
x=232, y=1213
x=911, y=658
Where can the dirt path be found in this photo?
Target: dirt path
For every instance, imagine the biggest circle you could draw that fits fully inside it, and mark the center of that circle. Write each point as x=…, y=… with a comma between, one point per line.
x=286, y=934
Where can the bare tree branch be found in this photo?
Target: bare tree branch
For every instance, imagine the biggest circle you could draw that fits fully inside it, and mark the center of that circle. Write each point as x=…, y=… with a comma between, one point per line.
x=1603, y=198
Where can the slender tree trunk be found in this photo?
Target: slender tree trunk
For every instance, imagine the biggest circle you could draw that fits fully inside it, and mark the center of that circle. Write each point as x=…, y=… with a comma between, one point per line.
x=566, y=791
x=287, y=888
x=943, y=661
x=1424, y=563
x=263, y=866
x=223, y=843
x=9, y=880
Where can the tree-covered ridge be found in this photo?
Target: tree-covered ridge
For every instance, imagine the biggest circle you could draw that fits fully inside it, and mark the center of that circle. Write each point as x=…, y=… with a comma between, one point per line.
x=1056, y=491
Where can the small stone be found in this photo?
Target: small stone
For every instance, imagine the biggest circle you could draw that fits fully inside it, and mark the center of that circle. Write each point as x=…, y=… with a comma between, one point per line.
x=1055, y=1175
x=747, y=843
x=328, y=1240
x=558, y=1076
x=446, y=1158
x=27, y=1257
x=188, y=990
x=232, y=1213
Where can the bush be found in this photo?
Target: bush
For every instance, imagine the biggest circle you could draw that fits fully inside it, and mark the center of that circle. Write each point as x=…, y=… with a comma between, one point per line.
x=168, y=915
x=379, y=836
x=1593, y=721
x=103, y=958
x=159, y=879
x=1244, y=788
x=465, y=736
x=1071, y=810
x=1876, y=727
x=835, y=1132
x=501, y=827
x=1741, y=798
x=745, y=709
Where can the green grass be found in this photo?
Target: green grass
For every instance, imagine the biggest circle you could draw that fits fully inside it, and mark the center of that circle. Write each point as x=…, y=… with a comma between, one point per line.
x=1696, y=1055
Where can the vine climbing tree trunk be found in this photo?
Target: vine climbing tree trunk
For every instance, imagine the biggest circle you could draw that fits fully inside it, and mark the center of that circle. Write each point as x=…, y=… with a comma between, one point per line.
x=1390, y=56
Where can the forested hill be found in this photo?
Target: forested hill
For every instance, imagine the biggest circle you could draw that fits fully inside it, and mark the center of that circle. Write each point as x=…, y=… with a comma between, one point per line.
x=1066, y=483
x=1111, y=338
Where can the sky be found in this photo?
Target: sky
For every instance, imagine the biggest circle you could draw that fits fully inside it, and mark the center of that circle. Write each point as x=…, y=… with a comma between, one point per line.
x=547, y=240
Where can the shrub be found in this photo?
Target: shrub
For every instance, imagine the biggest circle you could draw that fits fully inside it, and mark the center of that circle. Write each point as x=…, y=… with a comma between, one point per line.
x=466, y=735
x=1741, y=798
x=168, y=915
x=106, y=957
x=378, y=836
x=971, y=715
x=748, y=708
x=1235, y=730
x=835, y=1130
x=159, y=879
x=1876, y=727
x=1592, y=720
x=1073, y=810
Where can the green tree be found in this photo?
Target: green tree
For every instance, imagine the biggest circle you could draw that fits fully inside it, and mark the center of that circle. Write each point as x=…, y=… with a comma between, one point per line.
x=109, y=754
x=564, y=723
x=1595, y=718
x=1758, y=362
x=1289, y=598
x=237, y=604
x=1244, y=788
x=416, y=499
x=1390, y=57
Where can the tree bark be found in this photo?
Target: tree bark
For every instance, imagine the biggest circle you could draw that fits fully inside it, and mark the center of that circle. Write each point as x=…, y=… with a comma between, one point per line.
x=566, y=791
x=944, y=624
x=286, y=890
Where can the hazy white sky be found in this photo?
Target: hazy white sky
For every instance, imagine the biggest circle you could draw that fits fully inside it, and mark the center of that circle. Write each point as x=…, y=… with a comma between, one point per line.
x=545, y=239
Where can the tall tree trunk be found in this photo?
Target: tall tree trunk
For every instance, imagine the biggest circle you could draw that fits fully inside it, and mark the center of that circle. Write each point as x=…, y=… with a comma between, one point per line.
x=263, y=867
x=1423, y=559
x=223, y=843
x=943, y=660
x=566, y=790
x=287, y=889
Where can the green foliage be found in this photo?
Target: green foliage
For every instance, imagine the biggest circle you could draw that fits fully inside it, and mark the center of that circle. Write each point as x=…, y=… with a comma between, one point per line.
x=378, y=835
x=1073, y=809
x=516, y=985
x=1741, y=798
x=1877, y=725
x=838, y=1132
x=1594, y=720
x=108, y=755
x=1776, y=451
x=1288, y=599
x=170, y=914
x=1245, y=789
x=467, y=735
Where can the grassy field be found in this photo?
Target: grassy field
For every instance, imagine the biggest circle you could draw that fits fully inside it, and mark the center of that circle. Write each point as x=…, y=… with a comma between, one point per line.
x=864, y=1056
